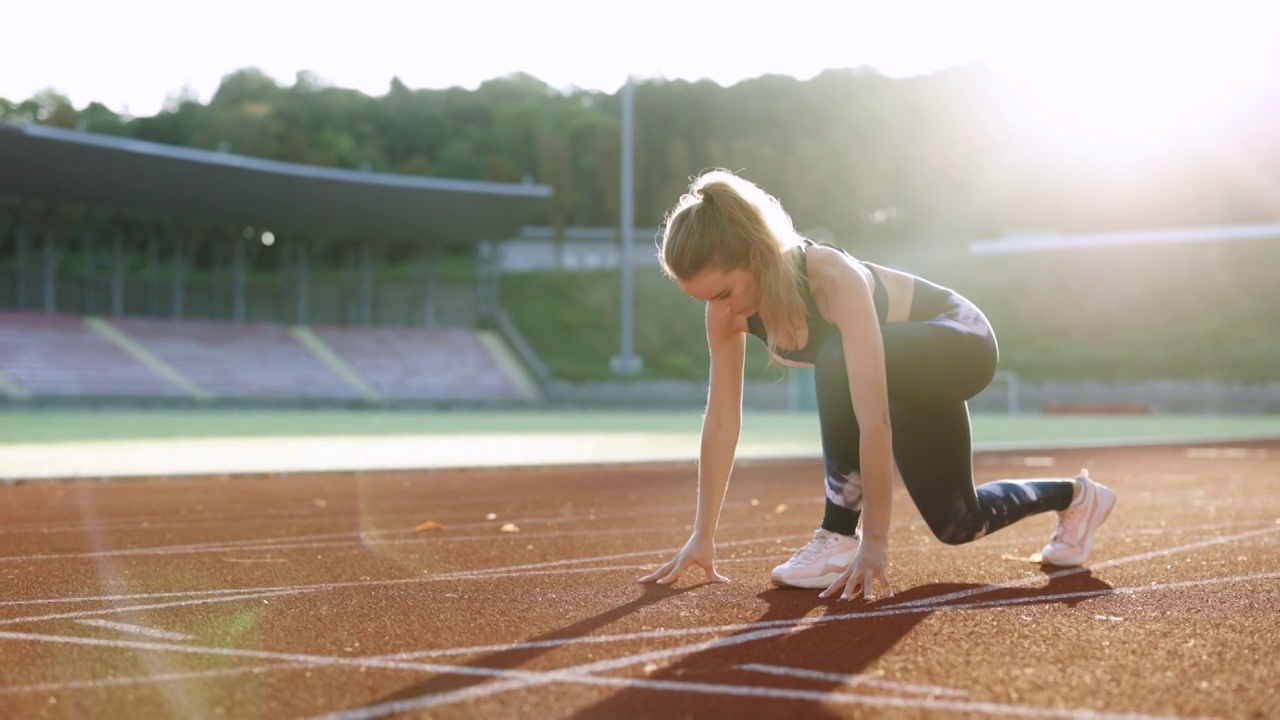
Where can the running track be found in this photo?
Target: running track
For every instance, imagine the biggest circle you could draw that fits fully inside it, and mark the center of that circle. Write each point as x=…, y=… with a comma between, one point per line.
x=316, y=596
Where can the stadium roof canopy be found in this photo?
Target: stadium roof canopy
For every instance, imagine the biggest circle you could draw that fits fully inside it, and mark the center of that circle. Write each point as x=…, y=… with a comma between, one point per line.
x=1058, y=241
x=63, y=166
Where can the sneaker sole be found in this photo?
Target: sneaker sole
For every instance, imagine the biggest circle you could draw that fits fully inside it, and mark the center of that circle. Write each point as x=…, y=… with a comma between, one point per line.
x=821, y=582
x=1101, y=511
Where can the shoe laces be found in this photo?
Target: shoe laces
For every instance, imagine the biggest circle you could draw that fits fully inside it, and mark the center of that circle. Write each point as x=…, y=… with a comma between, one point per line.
x=819, y=544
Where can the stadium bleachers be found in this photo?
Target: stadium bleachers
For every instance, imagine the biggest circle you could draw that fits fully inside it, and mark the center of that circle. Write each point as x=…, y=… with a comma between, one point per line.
x=421, y=362
x=51, y=354
x=55, y=354
x=238, y=360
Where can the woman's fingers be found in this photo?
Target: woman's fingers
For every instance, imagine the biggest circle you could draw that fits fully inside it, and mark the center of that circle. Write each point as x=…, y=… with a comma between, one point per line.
x=884, y=579
x=835, y=587
x=659, y=572
x=674, y=569
x=675, y=573
x=712, y=575
x=858, y=581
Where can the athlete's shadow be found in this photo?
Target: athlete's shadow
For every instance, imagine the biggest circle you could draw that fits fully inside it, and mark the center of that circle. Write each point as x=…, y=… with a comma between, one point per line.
x=517, y=657
x=816, y=658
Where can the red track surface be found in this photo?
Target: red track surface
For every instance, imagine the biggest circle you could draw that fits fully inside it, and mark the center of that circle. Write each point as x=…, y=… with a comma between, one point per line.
x=300, y=596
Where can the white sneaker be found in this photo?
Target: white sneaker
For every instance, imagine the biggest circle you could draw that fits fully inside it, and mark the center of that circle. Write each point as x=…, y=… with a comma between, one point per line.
x=1072, y=540
x=819, y=563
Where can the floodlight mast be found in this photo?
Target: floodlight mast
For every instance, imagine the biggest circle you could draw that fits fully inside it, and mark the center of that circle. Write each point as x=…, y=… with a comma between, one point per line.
x=627, y=362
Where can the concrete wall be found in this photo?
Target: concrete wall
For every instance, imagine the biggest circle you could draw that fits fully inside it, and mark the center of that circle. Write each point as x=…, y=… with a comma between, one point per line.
x=1164, y=396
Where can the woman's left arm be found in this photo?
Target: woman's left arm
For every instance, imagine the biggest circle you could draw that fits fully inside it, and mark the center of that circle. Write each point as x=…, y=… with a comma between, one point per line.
x=850, y=306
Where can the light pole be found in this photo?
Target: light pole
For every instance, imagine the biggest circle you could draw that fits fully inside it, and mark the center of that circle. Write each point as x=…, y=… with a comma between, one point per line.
x=627, y=362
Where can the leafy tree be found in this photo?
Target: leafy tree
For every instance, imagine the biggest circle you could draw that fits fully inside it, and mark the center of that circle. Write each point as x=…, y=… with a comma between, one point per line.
x=882, y=163
x=246, y=86
x=98, y=118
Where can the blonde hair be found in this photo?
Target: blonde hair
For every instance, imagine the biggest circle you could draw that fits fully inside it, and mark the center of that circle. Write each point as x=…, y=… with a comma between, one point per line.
x=729, y=223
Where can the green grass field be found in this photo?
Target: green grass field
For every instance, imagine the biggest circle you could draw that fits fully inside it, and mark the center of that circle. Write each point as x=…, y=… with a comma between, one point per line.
x=79, y=426
x=60, y=444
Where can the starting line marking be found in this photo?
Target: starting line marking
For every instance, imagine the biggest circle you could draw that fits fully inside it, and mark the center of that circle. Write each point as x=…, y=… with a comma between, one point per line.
x=514, y=570
x=434, y=700
x=102, y=683
x=156, y=606
x=135, y=629
x=584, y=674
x=848, y=679
x=519, y=679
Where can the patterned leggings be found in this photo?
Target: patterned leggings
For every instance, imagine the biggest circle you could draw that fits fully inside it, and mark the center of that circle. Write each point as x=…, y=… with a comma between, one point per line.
x=943, y=355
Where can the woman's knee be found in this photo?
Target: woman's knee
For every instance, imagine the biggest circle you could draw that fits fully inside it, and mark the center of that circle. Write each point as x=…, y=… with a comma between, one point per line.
x=974, y=369
x=957, y=535
x=958, y=525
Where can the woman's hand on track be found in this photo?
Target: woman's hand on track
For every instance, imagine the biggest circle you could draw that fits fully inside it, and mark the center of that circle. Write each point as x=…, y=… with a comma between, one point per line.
x=698, y=550
x=867, y=569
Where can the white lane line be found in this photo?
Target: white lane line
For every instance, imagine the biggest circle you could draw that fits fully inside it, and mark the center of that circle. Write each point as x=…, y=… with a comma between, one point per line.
x=248, y=544
x=788, y=625
x=141, y=608
x=221, y=595
x=284, y=589
x=585, y=674
x=305, y=542
x=145, y=596
x=409, y=520
x=520, y=679
x=434, y=700
x=305, y=658
x=934, y=601
x=136, y=629
x=151, y=523
x=488, y=573
x=159, y=678
x=457, y=521
x=372, y=537
x=727, y=690
x=287, y=591
x=513, y=571
x=853, y=679
x=961, y=594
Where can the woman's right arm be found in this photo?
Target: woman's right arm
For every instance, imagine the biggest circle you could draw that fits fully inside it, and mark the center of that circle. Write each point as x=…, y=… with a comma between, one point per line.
x=721, y=425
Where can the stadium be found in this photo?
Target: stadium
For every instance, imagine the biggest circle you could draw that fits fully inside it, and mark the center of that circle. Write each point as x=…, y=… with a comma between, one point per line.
x=322, y=403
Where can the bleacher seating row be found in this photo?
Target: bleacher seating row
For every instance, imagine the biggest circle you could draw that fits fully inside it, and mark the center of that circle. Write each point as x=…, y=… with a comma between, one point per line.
x=46, y=354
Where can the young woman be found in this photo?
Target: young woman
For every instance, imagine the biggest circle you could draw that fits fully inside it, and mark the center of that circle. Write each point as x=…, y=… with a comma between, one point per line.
x=895, y=357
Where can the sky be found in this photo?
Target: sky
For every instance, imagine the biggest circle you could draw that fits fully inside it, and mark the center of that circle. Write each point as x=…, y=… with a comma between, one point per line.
x=134, y=53
x=1060, y=56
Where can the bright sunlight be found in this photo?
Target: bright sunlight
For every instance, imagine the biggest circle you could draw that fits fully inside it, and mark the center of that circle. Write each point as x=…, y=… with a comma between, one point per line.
x=1145, y=82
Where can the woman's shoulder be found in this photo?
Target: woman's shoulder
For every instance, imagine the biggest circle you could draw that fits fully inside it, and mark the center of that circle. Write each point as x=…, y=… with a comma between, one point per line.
x=826, y=263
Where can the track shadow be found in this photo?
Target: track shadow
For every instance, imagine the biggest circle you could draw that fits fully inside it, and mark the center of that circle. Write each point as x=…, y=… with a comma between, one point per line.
x=510, y=659
x=839, y=649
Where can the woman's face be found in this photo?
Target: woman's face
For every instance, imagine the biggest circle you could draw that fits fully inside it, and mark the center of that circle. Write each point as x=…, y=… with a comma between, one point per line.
x=736, y=290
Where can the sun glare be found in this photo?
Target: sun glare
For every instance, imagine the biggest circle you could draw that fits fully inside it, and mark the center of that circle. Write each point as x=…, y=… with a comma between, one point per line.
x=1137, y=92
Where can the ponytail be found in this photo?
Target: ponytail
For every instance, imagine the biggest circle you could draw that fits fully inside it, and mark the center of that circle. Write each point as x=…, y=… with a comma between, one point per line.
x=729, y=223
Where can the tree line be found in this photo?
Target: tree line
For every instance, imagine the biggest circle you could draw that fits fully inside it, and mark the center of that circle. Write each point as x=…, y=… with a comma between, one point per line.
x=875, y=160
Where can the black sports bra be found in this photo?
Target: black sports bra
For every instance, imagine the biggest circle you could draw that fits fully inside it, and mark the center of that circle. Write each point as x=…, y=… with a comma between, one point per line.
x=819, y=328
